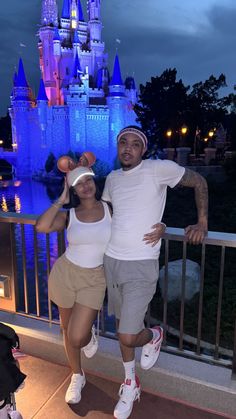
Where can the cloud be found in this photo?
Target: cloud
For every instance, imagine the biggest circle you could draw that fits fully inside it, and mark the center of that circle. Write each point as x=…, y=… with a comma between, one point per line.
x=198, y=39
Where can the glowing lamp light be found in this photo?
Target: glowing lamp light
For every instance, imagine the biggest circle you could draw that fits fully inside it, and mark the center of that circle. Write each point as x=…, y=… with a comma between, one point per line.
x=4, y=204
x=1, y=142
x=17, y=204
x=205, y=140
x=211, y=133
x=14, y=145
x=169, y=133
x=184, y=130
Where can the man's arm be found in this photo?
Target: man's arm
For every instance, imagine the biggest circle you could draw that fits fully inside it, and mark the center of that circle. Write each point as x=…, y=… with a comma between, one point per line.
x=196, y=233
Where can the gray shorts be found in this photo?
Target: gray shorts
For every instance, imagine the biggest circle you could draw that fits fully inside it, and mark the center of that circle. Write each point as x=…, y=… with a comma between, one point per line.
x=130, y=286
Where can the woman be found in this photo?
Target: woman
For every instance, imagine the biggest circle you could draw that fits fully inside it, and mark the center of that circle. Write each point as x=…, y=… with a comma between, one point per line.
x=77, y=282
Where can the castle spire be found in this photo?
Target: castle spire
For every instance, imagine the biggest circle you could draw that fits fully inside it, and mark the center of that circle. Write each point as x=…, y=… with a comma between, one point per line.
x=21, y=79
x=94, y=9
x=49, y=14
x=77, y=71
x=42, y=92
x=74, y=12
x=116, y=76
x=66, y=10
x=81, y=14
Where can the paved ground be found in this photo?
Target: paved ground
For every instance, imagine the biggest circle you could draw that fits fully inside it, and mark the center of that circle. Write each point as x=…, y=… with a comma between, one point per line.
x=46, y=383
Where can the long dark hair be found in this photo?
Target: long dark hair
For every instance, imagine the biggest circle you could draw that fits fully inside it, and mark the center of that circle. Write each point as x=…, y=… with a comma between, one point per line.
x=74, y=199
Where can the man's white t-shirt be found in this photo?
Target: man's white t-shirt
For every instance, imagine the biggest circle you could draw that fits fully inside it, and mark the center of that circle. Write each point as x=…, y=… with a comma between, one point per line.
x=138, y=197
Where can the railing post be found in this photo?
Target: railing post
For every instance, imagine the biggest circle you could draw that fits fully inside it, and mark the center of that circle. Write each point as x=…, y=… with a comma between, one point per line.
x=234, y=355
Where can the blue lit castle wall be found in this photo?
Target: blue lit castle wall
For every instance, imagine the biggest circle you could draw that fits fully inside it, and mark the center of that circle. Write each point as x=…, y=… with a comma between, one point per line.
x=78, y=106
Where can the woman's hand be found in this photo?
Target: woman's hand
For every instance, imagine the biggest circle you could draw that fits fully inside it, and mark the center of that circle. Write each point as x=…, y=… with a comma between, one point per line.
x=154, y=237
x=64, y=198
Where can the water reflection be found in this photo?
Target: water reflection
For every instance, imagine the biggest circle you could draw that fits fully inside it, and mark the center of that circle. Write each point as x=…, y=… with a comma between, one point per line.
x=31, y=197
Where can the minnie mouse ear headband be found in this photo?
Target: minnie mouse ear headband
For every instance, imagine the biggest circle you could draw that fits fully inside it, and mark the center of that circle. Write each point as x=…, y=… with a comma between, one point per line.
x=87, y=159
x=135, y=131
x=65, y=163
x=75, y=175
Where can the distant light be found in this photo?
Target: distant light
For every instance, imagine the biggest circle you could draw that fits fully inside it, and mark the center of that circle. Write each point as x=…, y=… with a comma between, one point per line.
x=17, y=183
x=211, y=133
x=14, y=145
x=1, y=142
x=184, y=130
x=4, y=204
x=17, y=204
x=169, y=133
x=205, y=140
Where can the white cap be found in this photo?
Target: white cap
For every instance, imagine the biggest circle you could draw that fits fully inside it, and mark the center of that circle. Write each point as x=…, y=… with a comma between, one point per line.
x=74, y=175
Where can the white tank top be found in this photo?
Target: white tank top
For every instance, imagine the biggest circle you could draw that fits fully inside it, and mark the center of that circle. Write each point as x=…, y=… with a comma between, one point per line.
x=87, y=242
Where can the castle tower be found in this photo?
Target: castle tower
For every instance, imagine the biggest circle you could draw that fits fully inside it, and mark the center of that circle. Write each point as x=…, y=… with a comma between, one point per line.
x=74, y=14
x=22, y=105
x=95, y=35
x=49, y=14
x=39, y=147
x=117, y=103
x=46, y=49
x=77, y=101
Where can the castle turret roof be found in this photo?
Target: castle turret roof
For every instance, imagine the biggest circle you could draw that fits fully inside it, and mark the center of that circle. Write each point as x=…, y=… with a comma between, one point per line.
x=21, y=79
x=77, y=71
x=42, y=92
x=81, y=15
x=56, y=35
x=66, y=9
x=116, y=76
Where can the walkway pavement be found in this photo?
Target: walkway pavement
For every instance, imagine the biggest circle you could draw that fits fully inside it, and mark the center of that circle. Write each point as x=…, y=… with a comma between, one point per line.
x=46, y=383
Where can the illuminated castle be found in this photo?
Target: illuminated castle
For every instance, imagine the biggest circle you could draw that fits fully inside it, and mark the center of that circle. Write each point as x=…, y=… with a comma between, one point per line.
x=78, y=106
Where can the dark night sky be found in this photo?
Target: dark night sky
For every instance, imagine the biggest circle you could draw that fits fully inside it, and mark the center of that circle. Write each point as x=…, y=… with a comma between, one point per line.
x=196, y=37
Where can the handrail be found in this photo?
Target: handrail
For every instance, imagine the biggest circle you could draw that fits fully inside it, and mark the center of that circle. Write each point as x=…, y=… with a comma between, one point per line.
x=215, y=238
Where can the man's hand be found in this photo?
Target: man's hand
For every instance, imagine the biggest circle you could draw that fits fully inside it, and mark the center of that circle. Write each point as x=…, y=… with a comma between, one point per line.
x=154, y=237
x=196, y=233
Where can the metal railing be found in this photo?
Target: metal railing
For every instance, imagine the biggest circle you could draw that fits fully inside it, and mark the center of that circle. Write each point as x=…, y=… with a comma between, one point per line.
x=32, y=255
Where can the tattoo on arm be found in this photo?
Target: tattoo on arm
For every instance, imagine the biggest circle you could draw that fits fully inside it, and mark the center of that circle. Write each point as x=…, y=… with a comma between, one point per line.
x=192, y=179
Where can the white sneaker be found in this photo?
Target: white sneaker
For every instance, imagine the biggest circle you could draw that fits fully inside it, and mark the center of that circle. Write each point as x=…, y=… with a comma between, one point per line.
x=129, y=391
x=73, y=394
x=91, y=348
x=151, y=351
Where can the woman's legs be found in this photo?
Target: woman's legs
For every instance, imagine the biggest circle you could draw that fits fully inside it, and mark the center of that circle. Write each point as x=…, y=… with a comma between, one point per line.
x=76, y=323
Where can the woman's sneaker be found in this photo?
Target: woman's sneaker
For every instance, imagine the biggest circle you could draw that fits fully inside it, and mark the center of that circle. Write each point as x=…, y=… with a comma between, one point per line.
x=92, y=347
x=73, y=394
x=151, y=350
x=129, y=391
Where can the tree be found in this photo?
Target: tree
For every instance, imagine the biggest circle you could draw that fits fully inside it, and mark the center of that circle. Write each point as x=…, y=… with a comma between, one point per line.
x=163, y=104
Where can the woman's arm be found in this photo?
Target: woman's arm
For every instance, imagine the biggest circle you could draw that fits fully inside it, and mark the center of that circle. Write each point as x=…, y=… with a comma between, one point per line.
x=53, y=219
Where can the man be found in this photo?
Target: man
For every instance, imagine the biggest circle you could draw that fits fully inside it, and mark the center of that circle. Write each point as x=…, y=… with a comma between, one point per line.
x=137, y=193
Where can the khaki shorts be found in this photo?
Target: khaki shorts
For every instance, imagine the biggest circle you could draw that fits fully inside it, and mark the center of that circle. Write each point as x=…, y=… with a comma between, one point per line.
x=69, y=283
x=131, y=286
